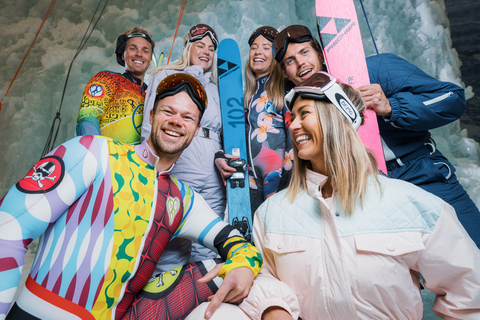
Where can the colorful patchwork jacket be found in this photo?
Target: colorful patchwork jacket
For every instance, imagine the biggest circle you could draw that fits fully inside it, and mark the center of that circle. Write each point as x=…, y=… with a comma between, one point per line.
x=103, y=215
x=112, y=106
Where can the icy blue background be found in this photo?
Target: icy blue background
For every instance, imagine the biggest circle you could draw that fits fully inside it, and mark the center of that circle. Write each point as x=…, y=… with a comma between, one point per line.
x=417, y=30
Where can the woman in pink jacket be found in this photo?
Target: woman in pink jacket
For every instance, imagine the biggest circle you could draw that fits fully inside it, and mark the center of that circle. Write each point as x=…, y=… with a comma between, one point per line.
x=343, y=242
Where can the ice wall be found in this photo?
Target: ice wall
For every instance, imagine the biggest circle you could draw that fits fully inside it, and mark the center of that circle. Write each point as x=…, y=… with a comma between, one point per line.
x=416, y=30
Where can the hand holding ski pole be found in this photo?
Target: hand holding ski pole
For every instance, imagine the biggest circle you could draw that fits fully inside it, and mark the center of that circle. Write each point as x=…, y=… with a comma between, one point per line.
x=225, y=170
x=374, y=97
x=234, y=288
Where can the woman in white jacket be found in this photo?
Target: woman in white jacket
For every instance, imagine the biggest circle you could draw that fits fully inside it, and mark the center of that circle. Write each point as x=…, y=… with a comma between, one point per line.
x=196, y=168
x=343, y=242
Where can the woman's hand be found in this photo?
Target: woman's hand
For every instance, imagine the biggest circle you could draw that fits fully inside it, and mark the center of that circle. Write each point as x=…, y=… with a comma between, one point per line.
x=225, y=170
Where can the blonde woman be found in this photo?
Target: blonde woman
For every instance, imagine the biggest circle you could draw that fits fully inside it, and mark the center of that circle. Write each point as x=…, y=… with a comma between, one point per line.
x=348, y=243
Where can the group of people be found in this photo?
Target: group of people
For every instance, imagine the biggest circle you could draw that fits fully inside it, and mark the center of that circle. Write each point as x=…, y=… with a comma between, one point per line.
x=117, y=208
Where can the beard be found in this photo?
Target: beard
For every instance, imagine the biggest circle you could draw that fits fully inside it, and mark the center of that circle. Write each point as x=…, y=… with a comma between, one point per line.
x=168, y=147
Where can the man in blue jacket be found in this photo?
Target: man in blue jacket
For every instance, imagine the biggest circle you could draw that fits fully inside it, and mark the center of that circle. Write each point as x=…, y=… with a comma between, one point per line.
x=408, y=103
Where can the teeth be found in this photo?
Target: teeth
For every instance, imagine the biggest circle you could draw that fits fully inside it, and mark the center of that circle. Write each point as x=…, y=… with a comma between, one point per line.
x=305, y=72
x=138, y=62
x=204, y=59
x=172, y=133
x=258, y=60
x=302, y=138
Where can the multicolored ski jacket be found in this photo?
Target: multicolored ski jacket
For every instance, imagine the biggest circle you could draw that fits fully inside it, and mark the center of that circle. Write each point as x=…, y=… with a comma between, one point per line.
x=270, y=146
x=112, y=105
x=103, y=215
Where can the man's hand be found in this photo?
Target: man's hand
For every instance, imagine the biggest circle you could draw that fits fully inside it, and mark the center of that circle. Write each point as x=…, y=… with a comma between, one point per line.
x=374, y=97
x=235, y=287
x=225, y=170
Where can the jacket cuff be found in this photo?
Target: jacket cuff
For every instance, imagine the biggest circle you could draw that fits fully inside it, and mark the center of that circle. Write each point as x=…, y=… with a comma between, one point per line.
x=395, y=104
x=263, y=305
x=242, y=255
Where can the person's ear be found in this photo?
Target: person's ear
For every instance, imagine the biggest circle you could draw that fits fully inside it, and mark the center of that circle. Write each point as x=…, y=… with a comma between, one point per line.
x=151, y=117
x=321, y=58
x=198, y=128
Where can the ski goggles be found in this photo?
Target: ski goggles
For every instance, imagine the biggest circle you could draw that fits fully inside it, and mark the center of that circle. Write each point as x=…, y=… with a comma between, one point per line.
x=199, y=31
x=268, y=32
x=179, y=82
x=295, y=33
x=122, y=43
x=323, y=86
x=140, y=34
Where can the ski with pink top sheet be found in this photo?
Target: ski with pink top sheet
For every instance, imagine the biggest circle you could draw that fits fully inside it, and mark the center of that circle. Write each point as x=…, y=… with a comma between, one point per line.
x=342, y=46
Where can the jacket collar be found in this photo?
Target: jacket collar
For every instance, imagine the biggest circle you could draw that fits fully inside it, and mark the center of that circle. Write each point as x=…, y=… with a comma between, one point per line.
x=145, y=153
x=315, y=182
x=135, y=80
x=197, y=72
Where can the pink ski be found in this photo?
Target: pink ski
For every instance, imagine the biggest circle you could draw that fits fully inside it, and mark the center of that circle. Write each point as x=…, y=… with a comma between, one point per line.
x=345, y=59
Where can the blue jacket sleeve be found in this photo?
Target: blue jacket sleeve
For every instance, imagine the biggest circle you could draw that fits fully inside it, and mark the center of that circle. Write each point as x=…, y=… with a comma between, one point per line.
x=419, y=102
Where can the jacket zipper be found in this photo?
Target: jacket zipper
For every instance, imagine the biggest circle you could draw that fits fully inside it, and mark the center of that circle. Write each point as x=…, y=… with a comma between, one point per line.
x=438, y=99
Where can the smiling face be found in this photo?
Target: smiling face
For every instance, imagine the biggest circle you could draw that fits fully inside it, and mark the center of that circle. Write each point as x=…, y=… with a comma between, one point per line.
x=174, y=124
x=301, y=61
x=260, y=56
x=202, y=52
x=307, y=134
x=137, y=56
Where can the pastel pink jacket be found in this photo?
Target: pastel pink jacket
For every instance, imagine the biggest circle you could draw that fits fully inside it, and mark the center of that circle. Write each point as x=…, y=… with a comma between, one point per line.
x=366, y=265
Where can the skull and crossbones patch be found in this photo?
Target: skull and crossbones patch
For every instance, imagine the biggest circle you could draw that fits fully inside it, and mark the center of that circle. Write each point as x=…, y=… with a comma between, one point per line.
x=45, y=176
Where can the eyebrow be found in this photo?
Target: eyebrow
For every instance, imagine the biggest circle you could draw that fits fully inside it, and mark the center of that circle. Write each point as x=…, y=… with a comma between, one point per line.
x=139, y=46
x=303, y=107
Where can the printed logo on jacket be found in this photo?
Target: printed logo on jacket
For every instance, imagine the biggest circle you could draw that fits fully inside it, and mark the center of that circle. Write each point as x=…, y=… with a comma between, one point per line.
x=45, y=176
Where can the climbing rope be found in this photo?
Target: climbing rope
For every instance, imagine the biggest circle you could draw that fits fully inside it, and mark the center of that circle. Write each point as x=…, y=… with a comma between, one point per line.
x=49, y=144
x=26, y=54
x=369, y=29
x=182, y=8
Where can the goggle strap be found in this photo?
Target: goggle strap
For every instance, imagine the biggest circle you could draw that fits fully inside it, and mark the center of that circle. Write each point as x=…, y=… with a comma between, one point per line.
x=190, y=91
x=340, y=100
x=203, y=35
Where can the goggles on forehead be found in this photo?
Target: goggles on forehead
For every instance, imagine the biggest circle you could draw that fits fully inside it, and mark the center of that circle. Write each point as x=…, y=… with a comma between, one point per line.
x=268, y=32
x=139, y=34
x=323, y=86
x=179, y=82
x=199, y=32
x=295, y=34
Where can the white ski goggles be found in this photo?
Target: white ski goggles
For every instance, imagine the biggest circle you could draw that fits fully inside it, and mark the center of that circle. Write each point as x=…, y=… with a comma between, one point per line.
x=323, y=86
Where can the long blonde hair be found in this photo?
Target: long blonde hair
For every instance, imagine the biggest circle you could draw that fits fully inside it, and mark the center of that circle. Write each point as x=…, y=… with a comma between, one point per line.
x=184, y=61
x=274, y=85
x=348, y=163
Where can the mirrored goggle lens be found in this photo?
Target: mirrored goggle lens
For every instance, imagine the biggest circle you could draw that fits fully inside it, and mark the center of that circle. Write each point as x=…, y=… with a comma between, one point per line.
x=268, y=32
x=177, y=79
x=319, y=80
x=295, y=34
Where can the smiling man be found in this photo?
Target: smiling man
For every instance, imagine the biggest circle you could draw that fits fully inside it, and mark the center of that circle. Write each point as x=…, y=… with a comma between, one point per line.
x=112, y=103
x=104, y=212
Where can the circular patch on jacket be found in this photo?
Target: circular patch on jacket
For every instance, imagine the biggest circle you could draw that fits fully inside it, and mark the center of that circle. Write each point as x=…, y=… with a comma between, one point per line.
x=96, y=91
x=45, y=176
